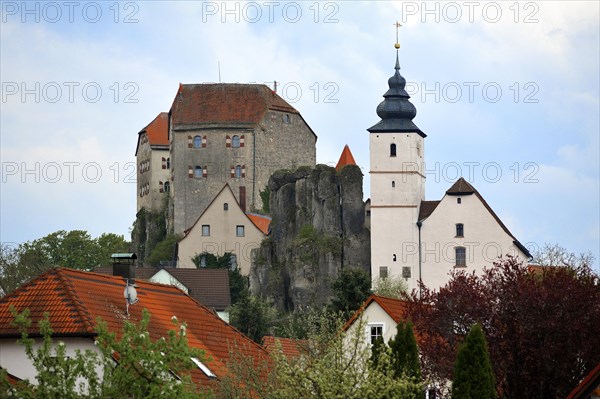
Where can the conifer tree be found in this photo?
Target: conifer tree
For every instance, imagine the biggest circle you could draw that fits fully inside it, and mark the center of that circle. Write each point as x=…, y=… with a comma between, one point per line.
x=405, y=352
x=473, y=375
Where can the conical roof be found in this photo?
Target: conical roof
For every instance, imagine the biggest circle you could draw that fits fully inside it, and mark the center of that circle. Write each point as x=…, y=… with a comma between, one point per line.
x=345, y=159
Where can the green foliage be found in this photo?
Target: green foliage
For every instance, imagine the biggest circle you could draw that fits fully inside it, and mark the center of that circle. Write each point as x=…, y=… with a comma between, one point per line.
x=149, y=229
x=350, y=290
x=163, y=251
x=253, y=316
x=313, y=242
x=331, y=365
x=473, y=375
x=75, y=249
x=132, y=366
x=238, y=284
x=405, y=352
x=391, y=287
x=265, y=197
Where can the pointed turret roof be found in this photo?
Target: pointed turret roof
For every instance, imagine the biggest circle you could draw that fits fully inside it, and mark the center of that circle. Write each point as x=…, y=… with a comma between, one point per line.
x=345, y=159
x=395, y=111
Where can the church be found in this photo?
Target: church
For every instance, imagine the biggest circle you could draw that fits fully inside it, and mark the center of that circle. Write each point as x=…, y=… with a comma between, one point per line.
x=419, y=239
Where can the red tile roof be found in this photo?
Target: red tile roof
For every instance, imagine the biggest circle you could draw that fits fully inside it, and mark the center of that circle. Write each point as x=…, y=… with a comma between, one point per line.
x=290, y=347
x=210, y=287
x=225, y=103
x=158, y=130
x=74, y=299
x=345, y=159
x=396, y=308
x=260, y=221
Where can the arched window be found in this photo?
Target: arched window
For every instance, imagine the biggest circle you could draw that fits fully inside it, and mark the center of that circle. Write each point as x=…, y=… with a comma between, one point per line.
x=197, y=141
x=238, y=171
x=197, y=172
x=225, y=206
x=392, y=150
x=235, y=141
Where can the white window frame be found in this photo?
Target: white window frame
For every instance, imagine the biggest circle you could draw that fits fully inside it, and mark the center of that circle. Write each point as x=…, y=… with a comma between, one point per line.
x=370, y=339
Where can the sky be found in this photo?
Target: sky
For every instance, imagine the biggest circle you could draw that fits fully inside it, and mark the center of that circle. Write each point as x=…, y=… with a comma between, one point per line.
x=507, y=93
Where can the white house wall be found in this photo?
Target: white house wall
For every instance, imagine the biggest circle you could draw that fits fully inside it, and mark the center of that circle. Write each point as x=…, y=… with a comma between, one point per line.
x=484, y=239
x=222, y=234
x=14, y=359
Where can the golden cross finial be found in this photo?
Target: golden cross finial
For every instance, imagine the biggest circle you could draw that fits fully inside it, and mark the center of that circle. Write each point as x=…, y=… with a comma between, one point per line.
x=397, y=25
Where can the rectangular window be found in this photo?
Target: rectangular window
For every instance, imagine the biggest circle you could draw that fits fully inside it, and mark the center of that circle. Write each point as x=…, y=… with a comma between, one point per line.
x=239, y=231
x=460, y=230
x=376, y=331
x=206, y=230
x=406, y=272
x=461, y=256
x=233, y=262
x=383, y=271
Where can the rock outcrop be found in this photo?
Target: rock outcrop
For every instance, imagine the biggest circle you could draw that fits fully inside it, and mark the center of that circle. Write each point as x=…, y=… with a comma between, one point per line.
x=317, y=229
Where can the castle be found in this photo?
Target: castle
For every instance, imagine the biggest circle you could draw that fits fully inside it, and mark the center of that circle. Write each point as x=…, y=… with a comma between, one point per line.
x=217, y=134
x=239, y=134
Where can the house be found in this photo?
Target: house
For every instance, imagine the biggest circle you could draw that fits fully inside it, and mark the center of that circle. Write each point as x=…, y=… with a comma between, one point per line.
x=210, y=287
x=220, y=133
x=154, y=163
x=380, y=316
x=223, y=227
x=74, y=300
x=414, y=238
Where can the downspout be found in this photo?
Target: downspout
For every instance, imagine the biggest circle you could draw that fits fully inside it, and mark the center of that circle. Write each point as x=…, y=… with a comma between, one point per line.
x=254, y=170
x=419, y=224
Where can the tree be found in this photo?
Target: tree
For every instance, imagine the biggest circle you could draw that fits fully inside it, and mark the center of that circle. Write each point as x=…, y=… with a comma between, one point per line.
x=331, y=365
x=473, y=376
x=541, y=326
x=391, y=287
x=75, y=249
x=132, y=365
x=405, y=352
x=164, y=251
x=350, y=290
x=253, y=316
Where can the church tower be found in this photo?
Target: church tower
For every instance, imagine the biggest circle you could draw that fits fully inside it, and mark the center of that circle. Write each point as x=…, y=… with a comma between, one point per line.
x=397, y=183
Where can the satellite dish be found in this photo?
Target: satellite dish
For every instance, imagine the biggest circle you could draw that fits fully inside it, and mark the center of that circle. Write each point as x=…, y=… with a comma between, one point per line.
x=130, y=294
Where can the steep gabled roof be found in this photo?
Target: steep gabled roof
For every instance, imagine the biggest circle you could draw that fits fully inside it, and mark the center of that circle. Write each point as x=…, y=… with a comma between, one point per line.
x=210, y=287
x=225, y=187
x=345, y=159
x=157, y=132
x=75, y=299
x=225, y=103
x=463, y=187
x=395, y=308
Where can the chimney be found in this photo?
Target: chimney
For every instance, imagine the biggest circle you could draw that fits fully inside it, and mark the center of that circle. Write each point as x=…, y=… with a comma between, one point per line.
x=124, y=265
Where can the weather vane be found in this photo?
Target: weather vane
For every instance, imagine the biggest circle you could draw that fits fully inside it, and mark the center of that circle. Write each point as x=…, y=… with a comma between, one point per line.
x=397, y=25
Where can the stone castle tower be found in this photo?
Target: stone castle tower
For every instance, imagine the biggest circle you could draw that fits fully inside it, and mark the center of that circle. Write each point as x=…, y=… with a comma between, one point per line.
x=214, y=134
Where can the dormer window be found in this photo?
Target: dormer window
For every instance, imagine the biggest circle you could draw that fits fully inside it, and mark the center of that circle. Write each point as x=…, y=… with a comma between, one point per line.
x=392, y=150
